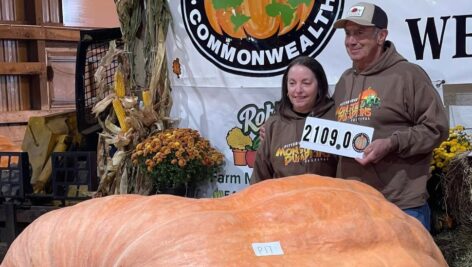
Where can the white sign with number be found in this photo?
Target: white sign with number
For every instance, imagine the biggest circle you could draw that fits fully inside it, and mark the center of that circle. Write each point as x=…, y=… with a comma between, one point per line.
x=337, y=138
x=267, y=249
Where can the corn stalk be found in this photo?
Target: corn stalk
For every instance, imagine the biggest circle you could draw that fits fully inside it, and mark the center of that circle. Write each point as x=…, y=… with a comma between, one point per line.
x=117, y=173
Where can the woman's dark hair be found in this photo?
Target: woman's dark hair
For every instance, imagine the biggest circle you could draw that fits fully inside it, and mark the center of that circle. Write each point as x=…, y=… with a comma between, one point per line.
x=318, y=71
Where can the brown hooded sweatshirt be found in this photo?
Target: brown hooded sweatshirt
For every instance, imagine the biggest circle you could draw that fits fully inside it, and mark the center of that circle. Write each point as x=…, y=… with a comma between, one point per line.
x=280, y=154
x=397, y=99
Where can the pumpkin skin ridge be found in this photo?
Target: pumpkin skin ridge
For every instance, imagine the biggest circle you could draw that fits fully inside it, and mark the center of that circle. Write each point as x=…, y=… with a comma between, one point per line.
x=327, y=242
x=100, y=220
x=308, y=190
x=124, y=257
x=221, y=211
x=152, y=200
x=250, y=198
x=152, y=229
x=143, y=230
x=248, y=208
x=46, y=238
x=278, y=184
x=401, y=218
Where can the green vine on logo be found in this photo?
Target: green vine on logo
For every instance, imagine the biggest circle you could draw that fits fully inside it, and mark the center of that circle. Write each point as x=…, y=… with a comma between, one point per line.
x=286, y=11
x=224, y=4
x=296, y=3
x=238, y=20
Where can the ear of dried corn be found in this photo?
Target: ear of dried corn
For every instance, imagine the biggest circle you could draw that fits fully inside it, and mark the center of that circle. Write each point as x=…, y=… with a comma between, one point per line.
x=120, y=114
x=119, y=83
x=147, y=99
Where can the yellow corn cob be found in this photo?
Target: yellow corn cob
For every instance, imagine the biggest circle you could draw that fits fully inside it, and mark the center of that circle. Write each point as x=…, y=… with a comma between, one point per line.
x=147, y=98
x=120, y=114
x=119, y=83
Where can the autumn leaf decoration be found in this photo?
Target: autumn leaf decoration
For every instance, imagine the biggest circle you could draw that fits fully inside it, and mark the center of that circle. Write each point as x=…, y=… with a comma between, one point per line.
x=176, y=67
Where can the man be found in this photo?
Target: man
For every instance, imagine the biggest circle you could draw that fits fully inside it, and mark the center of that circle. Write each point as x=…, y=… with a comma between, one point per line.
x=384, y=91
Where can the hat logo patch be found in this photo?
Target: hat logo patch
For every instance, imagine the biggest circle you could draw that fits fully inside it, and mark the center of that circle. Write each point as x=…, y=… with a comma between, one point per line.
x=356, y=11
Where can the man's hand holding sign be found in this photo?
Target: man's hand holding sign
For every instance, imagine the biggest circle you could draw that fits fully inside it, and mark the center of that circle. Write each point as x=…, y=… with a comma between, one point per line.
x=376, y=151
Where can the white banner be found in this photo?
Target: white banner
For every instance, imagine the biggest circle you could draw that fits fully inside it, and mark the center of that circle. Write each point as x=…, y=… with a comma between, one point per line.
x=226, y=57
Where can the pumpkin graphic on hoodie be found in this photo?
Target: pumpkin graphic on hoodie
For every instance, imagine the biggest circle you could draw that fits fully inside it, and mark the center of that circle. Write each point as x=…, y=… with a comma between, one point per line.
x=369, y=98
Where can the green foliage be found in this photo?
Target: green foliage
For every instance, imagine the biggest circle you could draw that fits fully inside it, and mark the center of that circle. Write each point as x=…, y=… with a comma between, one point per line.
x=177, y=157
x=167, y=175
x=371, y=101
x=296, y=3
x=238, y=20
x=224, y=4
x=287, y=13
x=256, y=142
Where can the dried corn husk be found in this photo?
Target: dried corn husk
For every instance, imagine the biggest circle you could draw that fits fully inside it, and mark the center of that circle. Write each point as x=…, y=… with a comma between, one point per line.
x=153, y=17
x=101, y=105
x=130, y=16
x=129, y=102
x=112, y=53
x=110, y=127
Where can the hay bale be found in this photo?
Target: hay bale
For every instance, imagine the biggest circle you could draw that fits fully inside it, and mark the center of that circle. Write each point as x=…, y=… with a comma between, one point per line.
x=457, y=186
x=456, y=183
x=456, y=246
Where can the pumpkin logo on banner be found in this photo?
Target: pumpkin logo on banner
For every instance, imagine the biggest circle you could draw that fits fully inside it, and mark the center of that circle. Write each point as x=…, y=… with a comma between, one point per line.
x=259, y=38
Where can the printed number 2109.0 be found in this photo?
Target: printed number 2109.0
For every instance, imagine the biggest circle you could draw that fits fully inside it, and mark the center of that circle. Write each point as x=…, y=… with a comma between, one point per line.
x=326, y=133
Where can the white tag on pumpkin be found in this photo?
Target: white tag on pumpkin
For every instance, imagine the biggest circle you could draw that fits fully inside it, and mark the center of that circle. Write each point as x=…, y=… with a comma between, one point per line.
x=267, y=249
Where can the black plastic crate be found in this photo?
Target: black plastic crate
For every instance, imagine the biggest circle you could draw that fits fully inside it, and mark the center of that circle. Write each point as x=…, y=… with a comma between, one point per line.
x=92, y=47
x=14, y=175
x=73, y=174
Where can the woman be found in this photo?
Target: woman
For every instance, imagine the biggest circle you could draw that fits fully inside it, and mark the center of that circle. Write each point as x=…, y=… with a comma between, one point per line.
x=304, y=93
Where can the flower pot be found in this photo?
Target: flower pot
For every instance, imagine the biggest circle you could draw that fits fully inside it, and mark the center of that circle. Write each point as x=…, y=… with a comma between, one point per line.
x=250, y=158
x=239, y=157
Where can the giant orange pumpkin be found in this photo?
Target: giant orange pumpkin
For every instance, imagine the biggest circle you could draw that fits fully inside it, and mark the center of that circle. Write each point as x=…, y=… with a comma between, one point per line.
x=260, y=25
x=317, y=221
